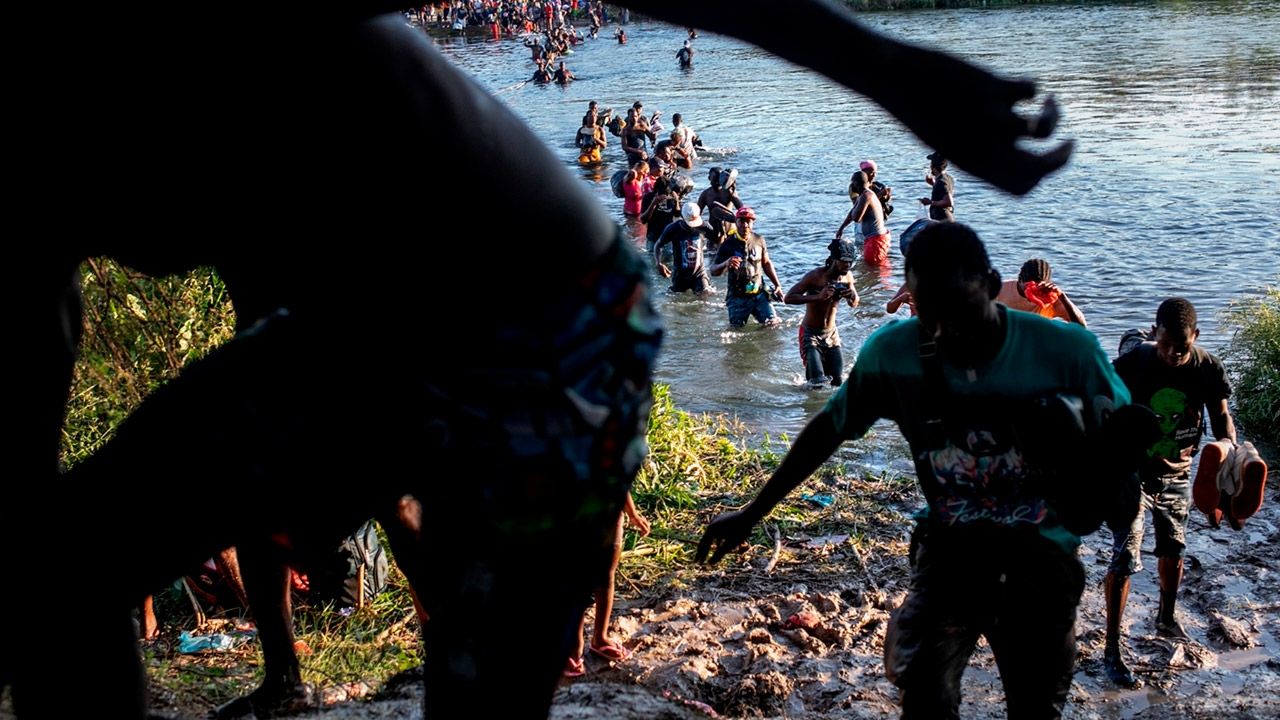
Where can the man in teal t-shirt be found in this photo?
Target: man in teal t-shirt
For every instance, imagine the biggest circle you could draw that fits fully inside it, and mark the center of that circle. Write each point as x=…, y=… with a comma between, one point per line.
x=989, y=555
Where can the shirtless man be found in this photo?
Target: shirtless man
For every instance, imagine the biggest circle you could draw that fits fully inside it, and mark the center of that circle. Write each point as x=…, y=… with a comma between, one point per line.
x=542, y=75
x=564, y=75
x=1033, y=292
x=821, y=291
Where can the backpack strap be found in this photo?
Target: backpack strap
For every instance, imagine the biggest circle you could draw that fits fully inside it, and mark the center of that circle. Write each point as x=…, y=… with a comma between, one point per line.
x=936, y=392
x=932, y=433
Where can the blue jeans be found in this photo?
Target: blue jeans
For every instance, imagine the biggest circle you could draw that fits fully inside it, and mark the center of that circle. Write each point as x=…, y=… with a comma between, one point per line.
x=743, y=306
x=820, y=353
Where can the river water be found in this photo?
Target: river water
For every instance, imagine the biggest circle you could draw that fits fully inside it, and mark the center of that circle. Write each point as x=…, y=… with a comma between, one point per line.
x=1174, y=188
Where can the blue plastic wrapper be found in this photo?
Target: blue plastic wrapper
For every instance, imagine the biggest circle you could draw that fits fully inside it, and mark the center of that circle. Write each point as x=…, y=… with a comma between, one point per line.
x=188, y=643
x=820, y=499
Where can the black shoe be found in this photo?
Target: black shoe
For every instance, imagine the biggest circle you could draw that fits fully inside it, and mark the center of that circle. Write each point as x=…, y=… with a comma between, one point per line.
x=1117, y=672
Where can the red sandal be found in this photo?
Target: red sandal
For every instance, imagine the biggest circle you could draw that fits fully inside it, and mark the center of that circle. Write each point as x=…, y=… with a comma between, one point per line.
x=613, y=651
x=575, y=668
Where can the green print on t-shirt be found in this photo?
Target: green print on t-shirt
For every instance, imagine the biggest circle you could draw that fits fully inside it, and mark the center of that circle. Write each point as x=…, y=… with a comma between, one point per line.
x=1170, y=406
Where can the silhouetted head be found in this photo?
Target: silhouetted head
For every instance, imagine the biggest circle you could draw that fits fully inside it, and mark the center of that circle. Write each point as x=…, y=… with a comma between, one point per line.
x=951, y=279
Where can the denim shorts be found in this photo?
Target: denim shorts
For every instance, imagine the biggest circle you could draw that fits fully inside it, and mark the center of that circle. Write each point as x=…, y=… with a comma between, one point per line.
x=742, y=307
x=1169, y=500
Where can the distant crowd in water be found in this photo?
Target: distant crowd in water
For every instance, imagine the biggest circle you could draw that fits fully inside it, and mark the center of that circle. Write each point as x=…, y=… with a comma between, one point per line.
x=510, y=18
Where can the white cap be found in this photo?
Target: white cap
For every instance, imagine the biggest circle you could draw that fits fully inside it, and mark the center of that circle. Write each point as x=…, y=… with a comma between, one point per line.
x=692, y=214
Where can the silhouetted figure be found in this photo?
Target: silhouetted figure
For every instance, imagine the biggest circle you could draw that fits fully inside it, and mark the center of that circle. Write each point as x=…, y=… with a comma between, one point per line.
x=976, y=390
x=222, y=134
x=685, y=55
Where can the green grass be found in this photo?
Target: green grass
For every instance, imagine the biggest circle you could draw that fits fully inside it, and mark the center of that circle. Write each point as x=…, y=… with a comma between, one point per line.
x=699, y=466
x=366, y=646
x=1254, y=359
x=141, y=331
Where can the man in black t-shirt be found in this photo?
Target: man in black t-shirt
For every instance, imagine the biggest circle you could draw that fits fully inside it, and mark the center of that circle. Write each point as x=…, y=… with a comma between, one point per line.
x=1178, y=381
x=659, y=208
x=942, y=199
x=688, y=237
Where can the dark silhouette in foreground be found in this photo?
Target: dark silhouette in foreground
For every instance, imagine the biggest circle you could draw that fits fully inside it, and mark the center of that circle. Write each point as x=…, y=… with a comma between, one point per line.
x=272, y=132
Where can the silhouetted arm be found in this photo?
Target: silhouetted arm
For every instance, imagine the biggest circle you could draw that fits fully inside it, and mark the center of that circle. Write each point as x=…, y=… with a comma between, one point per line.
x=816, y=34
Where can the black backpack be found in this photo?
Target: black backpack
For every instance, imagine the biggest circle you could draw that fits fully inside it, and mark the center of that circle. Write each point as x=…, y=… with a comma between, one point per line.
x=1090, y=476
x=615, y=183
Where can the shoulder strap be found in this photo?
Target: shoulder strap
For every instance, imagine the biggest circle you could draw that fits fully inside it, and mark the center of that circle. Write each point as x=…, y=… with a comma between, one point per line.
x=935, y=394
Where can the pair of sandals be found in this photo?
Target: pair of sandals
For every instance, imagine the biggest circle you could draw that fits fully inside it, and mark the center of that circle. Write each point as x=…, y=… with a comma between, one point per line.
x=1229, y=483
x=612, y=651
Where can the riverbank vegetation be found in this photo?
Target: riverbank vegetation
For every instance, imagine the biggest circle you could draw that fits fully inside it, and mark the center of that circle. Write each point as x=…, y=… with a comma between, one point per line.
x=698, y=466
x=141, y=331
x=138, y=332
x=839, y=527
x=1254, y=360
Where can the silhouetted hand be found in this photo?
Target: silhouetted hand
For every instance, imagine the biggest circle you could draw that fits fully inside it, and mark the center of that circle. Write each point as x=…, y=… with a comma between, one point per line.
x=981, y=139
x=728, y=532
